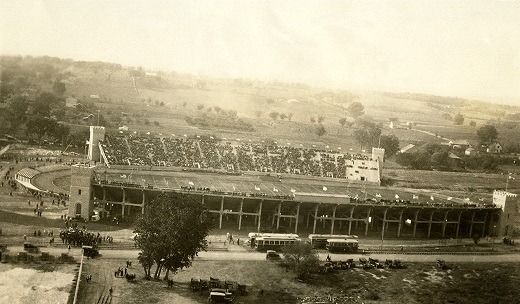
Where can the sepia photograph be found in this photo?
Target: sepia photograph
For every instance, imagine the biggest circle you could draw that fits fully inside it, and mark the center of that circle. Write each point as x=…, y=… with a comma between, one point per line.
x=260, y=152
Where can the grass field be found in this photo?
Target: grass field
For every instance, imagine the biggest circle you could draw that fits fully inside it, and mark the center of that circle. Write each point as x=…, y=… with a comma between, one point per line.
x=476, y=283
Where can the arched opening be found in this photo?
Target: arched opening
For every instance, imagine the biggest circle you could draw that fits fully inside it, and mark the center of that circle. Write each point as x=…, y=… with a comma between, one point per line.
x=78, y=209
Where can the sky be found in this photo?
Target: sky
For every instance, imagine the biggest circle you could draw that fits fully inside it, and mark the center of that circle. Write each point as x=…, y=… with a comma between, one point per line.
x=468, y=49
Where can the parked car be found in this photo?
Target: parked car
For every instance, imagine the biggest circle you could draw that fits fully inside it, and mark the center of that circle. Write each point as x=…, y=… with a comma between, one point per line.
x=272, y=255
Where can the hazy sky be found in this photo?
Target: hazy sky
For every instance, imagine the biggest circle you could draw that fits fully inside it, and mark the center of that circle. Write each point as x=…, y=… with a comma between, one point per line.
x=464, y=48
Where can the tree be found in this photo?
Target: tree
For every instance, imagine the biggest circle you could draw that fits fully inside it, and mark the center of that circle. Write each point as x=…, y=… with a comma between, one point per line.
x=40, y=126
x=258, y=114
x=458, y=119
x=44, y=103
x=320, y=130
x=487, y=133
x=274, y=115
x=290, y=116
x=342, y=121
x=200, y=106
x=356, y=109
x=59, y=88
x=390, y=143
x=472, y=123
x=321, y=119
x=171, y=232
x=301, y=259
x=283, y=116
x=367, y=134
x=312, y=119
x=146, y=121
x=17, y=112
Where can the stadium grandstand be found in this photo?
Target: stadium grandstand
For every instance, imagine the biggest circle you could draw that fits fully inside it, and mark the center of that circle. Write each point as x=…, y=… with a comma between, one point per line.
x=266, y=186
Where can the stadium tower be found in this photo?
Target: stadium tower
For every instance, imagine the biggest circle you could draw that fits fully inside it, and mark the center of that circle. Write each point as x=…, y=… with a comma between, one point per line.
x=97, y=133
x=509, y=222
x=81, y=201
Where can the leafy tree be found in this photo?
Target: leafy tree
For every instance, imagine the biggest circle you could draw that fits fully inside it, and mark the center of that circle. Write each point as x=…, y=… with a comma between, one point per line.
x=156, y=123
x=171, y=232
x=17, y=112
x=184, y=104
x=61, y=132
x=200, y=106
x=59, y=88
x=390, y=143
x=44, y=103
x=458, y=119
x=320, y=130
x=301, y=259
x=321, y=119
x=258, y=114
x=487, y=133
x=367, y=134
x=40, y=126
x=472, y=123
x=312, y=119
x=146, y=121
x=441, y=160
x=356, y=109
x=342, y=121
x=283, y=116
x=274, y=115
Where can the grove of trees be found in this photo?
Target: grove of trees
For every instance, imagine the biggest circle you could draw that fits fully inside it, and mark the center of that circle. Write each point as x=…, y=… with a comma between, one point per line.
x=487, y=133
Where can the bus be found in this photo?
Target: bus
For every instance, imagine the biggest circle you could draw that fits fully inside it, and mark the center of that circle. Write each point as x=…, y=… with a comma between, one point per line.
x=273, y=241
x=319, y=241
x=342, y=245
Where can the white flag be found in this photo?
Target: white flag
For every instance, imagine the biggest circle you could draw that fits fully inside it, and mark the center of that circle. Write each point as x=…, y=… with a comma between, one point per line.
x=293, y=190
x=415, y=196
x=324, y=188
x=191, y=183
x=396, y=196
x=275, y=190
x=432, y=198
x=378, y=195
x=450, y=198
x=257, y=188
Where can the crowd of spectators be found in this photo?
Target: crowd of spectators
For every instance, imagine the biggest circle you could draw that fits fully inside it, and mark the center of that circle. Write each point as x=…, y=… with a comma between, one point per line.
x=219, y=155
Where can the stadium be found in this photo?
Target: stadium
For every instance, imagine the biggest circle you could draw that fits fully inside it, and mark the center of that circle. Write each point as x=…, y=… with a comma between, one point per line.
x=268, y=187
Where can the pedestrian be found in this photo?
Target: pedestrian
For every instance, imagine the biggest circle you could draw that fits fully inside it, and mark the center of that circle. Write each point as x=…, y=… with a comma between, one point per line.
x=125, y=271
x=69, y=248
x=110, y=291
x=238, y=241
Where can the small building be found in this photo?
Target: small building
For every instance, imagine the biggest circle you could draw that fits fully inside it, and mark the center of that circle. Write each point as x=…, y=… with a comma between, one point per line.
x=494, y=148
x=459, y=144
x=71, y=102
x=407, y=148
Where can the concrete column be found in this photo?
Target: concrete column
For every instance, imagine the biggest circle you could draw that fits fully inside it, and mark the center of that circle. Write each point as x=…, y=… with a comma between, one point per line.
x=471, y=225
x=430, y=223
x=333, y=219
x=384, y=224
x=367, y=223
x=350, y=220
x=123, y=205
x=400, y=223
x=278, y=214
x=484, y=225
x=458, y=225
x=315, y=216
x=240, y=214
x=444, y=223
x=259, y=215
x=415, y=222
x=221, y=212
x=297, y=218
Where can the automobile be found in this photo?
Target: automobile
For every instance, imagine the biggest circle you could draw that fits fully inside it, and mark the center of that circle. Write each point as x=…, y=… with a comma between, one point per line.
x=218, y=295
x=272, y=255
x=90, y=252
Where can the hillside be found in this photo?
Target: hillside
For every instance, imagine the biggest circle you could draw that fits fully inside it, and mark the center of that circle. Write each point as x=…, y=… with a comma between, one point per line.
x=171, y=103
